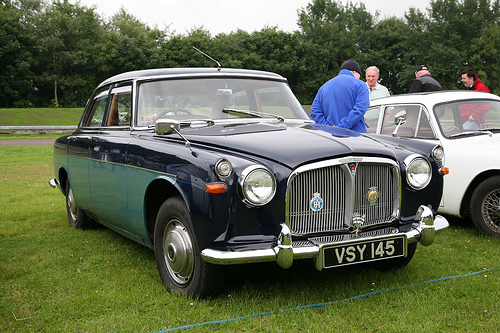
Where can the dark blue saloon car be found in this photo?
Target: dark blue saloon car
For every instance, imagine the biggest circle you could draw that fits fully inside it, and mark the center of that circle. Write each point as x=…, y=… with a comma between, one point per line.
x=212, y=167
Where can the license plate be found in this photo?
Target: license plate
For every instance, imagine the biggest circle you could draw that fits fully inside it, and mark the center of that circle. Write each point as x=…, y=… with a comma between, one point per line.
x=363, y=251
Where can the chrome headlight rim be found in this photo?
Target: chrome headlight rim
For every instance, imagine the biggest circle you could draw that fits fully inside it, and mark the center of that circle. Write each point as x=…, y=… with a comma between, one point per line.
x=223, y=168
x=413, y=164
x=252, y=174
x=438, y=153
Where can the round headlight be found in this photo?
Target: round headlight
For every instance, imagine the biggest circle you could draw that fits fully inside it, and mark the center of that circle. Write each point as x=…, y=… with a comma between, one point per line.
x=258, y=185
x=438, y=153
x=223, y=168
x=418, y=172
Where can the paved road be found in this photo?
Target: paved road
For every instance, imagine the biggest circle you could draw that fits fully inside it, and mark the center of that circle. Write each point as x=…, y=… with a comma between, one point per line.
x=27, y=142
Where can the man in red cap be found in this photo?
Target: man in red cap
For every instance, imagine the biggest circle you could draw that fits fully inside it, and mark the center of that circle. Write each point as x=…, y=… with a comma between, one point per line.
x=424, y=81
x=343, y=100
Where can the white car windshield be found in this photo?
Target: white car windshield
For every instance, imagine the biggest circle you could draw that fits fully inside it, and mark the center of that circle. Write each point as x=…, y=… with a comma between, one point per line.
x=468, y=117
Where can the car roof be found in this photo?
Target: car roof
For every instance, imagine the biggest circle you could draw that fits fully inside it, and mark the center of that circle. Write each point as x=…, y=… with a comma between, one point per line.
x=434, y=97
x=191, y=72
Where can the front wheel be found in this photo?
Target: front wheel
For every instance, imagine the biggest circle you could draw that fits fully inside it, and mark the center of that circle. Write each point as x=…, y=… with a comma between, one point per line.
x=485, y=206
x=177, y=254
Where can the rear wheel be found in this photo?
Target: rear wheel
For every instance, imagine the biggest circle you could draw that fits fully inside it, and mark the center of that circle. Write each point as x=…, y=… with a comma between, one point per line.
x=178, y=256
x=485, y=206
x=76, y=215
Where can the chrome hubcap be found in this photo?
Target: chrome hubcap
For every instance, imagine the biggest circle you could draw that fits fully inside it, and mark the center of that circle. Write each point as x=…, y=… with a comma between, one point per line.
x=178, y=252
x=72, y=204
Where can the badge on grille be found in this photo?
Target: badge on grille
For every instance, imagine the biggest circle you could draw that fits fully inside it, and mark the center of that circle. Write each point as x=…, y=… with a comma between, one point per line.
x=357, y=221
x=316, y=203
x=352, y=167
x=372, y=195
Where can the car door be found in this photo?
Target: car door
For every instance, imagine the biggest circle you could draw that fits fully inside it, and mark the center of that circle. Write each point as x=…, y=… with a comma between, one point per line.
x=108, y=160
x=79, y=147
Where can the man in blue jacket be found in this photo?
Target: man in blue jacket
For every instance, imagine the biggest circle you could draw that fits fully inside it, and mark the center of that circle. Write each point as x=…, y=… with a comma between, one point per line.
x=343, y=100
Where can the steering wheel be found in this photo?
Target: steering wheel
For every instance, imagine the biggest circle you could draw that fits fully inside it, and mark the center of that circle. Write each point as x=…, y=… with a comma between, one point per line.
x=451, y=130
x=174, y=111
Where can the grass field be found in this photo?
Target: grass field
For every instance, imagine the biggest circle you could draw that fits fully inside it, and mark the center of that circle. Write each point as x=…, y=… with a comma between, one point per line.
x=58, y=279
x=40, y=117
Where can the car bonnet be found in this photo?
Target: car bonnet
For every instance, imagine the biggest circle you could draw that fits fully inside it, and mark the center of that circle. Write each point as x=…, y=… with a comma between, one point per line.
x=289, y=145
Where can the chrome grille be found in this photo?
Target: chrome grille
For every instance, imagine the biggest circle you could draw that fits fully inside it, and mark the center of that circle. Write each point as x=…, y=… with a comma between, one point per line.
x=344, y=193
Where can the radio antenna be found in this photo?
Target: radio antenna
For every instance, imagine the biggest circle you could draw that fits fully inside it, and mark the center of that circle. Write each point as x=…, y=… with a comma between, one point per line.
x=209, y=57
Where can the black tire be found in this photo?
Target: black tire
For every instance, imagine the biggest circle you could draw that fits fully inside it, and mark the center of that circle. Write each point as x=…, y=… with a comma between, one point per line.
x=177, y=254
x=485, y=206
x=400, y=262
x=77, y=217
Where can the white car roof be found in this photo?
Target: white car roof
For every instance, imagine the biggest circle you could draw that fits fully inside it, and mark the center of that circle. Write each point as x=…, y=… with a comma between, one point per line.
x=434, y=97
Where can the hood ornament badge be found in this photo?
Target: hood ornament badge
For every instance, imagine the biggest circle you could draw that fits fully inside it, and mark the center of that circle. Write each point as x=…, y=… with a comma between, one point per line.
x=352, y=168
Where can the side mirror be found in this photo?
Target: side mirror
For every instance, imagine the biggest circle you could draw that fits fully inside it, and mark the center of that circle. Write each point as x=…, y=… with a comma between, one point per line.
x=400, y=118
x=167, y=126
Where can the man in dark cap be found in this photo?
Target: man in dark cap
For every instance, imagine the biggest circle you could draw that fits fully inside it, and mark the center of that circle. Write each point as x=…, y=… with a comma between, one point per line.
x=424, y=81
x=343, y=100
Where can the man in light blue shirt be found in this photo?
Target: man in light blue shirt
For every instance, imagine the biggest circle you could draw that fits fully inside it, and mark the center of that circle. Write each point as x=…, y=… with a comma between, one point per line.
x=372, y=74
x=343, y=100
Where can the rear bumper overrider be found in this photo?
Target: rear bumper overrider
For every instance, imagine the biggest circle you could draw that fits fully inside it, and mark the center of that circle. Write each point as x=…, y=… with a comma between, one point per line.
x=424, y=229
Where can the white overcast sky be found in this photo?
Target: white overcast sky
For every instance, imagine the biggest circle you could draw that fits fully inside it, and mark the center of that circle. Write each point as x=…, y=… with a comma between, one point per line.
x=225, y=16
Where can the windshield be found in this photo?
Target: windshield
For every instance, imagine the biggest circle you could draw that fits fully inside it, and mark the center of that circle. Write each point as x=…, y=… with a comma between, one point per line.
x=196, y=99
x=468, y=117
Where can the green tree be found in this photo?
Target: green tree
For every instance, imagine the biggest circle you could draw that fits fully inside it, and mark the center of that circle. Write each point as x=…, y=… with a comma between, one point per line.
x=484, y=56
x=67, y=37
x=332, y=33
x=232, y=49
x=128, y=44
x=453, y=26
x=178, y=50
x=15, y=58
x=54, y=53
x=388, y=50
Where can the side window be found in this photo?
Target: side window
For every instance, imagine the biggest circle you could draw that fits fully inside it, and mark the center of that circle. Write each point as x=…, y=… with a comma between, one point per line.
x=390, y=115
x=97, y=109
x=371, y=119
x=424, y=129
x=417, y=123
x=120, y=107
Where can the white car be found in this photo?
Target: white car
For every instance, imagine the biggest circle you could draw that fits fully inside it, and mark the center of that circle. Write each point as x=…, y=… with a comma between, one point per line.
x=467, y=125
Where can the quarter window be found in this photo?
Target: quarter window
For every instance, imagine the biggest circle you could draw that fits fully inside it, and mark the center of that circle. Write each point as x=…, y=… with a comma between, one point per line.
x=120, y=107
x=98, y=109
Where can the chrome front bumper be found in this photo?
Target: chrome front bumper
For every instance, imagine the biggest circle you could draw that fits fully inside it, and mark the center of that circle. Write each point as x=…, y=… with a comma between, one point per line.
x=424, y=229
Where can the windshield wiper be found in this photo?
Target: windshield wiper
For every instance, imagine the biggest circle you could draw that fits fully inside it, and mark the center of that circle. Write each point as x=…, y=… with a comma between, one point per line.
x=253, y=114
x=196, y=123
x=193, y=123
x=483, y=131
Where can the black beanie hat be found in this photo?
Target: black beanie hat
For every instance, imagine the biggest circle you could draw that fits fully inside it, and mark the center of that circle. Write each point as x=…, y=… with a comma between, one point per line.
x=351, y=65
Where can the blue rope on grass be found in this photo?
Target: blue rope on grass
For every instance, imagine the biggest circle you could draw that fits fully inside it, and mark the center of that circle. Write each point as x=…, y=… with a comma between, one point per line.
x=216, y=322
